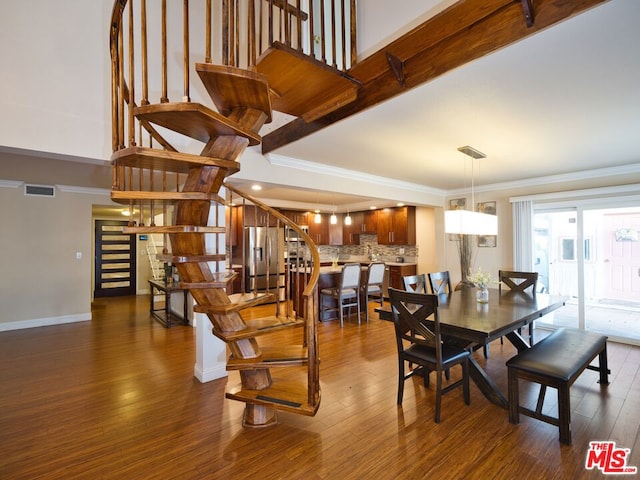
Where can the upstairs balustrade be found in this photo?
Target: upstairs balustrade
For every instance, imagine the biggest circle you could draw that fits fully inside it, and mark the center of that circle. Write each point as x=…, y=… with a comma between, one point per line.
x=155, y=45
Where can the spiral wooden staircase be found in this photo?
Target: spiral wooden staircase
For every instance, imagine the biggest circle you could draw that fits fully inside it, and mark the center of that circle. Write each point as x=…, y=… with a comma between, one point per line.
x=171, y=158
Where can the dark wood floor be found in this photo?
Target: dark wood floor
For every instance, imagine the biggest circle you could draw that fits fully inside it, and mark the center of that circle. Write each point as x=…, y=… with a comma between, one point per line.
x=115, y=398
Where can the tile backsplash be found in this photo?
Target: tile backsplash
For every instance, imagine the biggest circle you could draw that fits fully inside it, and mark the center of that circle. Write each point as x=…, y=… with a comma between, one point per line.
x=369, y=246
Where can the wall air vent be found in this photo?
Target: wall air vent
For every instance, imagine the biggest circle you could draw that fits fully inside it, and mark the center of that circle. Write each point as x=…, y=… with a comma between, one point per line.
x=40, y=190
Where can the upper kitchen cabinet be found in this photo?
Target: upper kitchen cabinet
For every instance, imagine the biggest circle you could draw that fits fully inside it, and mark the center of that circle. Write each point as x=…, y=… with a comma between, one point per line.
x=361, y=222
x=296, y=216
x=397, y=226
x=253, y=216
x=324, y=233
x=369, y=222
x=351, y=233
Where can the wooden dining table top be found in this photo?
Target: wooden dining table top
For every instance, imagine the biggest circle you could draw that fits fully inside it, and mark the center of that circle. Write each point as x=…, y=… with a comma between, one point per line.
x=462, y=316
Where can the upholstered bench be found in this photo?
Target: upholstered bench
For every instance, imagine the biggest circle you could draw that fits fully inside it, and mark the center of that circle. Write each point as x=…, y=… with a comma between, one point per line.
x=556, y=361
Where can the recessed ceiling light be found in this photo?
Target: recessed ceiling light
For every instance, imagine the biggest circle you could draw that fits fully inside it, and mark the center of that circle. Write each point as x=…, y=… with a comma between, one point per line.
x=400, y=204
x=372, y=207
x=256, y=187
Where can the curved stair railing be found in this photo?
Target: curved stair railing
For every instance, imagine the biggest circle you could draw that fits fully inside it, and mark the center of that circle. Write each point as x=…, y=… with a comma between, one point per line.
x=170, y=160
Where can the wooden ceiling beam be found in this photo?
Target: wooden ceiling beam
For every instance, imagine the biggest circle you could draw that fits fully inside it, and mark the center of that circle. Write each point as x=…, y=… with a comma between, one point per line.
x=464, y=32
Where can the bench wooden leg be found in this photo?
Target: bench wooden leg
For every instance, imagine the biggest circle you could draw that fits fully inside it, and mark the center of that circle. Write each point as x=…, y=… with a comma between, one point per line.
x=514, y=397
x=604, y=367
x=564, y=414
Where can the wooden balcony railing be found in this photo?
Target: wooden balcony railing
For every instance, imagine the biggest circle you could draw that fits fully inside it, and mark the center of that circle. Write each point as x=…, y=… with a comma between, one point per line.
x=156, y=43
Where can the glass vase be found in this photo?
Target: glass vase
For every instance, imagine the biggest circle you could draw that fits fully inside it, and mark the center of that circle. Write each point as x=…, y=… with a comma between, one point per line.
x=482, y=295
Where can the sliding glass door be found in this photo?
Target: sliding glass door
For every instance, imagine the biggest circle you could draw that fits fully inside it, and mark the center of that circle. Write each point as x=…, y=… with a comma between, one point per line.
x=613, y=304
x=591, y=254
x=555, y=259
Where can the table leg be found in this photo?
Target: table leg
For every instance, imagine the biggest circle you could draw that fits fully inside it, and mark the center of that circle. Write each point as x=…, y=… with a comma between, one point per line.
x=167, y=308
x=485, y=384
x=185, y=319
x=151, y=300
x=517, y=341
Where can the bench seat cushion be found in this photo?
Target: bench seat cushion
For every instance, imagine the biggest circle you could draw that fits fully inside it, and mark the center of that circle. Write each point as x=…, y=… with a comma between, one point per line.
x=561, y=355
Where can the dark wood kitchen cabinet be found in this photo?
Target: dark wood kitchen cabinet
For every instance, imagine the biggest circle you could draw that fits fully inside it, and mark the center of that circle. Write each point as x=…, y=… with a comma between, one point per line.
x=396, y=272
x=324, y=233
x=297, y=217
x=397, y=226
x=253, y=216
x=351, y=233
x=369, y=221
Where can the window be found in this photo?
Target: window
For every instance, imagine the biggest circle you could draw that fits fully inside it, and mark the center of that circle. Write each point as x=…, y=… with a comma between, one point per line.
x=568, y=251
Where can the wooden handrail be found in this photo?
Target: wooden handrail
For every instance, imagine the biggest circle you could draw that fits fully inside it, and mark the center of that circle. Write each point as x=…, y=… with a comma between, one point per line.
x=310, y=293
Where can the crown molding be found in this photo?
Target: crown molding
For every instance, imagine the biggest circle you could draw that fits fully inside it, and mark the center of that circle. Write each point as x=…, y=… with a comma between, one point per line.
x=618, y=190
x=322, y=169
x=10, y=183
x=85, y=190
x=551, y=179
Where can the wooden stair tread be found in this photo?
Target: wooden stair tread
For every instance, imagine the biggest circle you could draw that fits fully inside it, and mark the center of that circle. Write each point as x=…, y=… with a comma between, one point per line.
x=238, y=301
x=285, y=395
x=166, y=161
x=193, y=120
x=260, y=326
x=280, y=356
x=175, y=229
x=209, y=257
x=303, y=86
x=124, y=196
x=232, y=88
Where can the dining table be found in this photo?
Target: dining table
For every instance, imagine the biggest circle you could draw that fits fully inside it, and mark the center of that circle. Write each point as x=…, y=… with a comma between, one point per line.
x=470, y=323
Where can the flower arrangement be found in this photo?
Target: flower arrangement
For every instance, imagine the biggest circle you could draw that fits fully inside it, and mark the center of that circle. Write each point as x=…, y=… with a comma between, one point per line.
x=480, y=279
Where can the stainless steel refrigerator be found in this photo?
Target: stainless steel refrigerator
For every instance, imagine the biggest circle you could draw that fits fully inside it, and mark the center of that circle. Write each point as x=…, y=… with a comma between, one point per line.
x=264, y=260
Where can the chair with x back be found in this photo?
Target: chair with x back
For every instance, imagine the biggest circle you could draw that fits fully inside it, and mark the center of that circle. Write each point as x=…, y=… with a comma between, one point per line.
x=425, y=352
x=346, y=294
x=372, y=289
x=519, y=282
x=415, y=283
x=440, y=282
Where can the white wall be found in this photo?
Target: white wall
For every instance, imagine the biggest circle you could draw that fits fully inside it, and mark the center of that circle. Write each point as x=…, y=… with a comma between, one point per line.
x=382, y=21
x=55, y=77
x=43, y=281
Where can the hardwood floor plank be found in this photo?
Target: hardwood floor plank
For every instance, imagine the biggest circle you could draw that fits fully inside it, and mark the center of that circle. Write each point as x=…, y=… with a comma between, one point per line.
x=116, y=398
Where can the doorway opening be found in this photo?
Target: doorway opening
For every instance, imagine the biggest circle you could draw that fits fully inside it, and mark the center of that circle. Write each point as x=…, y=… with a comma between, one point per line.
x=115, y=260
x=592, y=256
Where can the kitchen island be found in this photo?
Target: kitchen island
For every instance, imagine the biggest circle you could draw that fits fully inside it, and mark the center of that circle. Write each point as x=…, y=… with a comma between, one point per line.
x=330, y=278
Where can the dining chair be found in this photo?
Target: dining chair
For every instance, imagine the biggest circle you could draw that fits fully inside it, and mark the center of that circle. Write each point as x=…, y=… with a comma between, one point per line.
x=346, y=293
x=415, y=283
x=418, y=312
x=440, y=282
x=372, y=289
x=519, y=282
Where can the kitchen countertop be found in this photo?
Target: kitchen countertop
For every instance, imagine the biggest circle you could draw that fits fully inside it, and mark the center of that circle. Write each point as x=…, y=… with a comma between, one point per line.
x=329, y=269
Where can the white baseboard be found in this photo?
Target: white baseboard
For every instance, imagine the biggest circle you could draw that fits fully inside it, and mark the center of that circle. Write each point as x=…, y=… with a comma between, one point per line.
x=45, y=322
x=210, y=374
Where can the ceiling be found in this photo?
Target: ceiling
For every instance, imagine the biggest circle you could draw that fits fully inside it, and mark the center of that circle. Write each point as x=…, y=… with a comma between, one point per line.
x=564, y=100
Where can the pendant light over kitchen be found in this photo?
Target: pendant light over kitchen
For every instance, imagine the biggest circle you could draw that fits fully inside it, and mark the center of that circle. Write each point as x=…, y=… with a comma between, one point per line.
x=317, y=217
x=347, y=219
x=333, y=219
